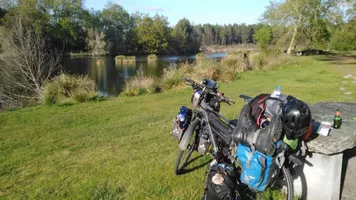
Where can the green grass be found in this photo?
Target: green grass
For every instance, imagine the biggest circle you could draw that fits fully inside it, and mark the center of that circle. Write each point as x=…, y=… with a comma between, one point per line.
x=121, y=148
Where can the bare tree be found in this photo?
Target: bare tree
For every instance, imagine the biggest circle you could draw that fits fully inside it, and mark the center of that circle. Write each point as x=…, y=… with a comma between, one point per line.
x=26, y=61
x=95, y=41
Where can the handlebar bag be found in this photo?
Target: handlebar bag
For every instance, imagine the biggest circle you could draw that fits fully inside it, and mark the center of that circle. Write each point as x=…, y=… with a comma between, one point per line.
x=258, y=169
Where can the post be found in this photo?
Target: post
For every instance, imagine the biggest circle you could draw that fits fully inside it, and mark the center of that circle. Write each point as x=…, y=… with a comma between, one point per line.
x=321, y=181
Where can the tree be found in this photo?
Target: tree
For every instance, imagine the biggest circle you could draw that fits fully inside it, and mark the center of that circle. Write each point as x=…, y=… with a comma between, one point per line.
x=67, y=22
x=96, y=41
x=263, y=37
x=153, y=33
x=182, y=34
x=116, y=23
x=28, y=63
x=208, y=34
x=300, y=17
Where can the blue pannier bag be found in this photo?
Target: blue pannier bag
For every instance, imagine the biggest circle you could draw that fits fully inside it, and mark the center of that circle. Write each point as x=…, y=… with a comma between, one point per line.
x=258, y=169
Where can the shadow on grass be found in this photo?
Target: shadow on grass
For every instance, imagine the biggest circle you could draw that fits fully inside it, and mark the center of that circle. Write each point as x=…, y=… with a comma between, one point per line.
x=338, y=59
x=188, y=170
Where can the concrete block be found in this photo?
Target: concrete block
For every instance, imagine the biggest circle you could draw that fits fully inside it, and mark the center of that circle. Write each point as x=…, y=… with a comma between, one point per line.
x=321, y=181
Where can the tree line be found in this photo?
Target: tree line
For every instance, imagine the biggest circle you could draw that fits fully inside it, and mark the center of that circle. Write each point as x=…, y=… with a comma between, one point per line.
x=70, y=27
x=294, y=25
x=34, y=34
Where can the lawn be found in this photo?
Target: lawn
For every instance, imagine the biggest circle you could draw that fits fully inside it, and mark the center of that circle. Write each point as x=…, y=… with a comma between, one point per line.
x=121, y=148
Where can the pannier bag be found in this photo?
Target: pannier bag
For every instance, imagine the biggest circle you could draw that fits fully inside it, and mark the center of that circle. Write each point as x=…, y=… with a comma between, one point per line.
x=181, y=122
x=257, y=169
x=221, y=183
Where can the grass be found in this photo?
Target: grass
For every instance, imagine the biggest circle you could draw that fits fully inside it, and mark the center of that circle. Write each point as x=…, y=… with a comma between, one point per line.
x=125, y=59
x=199, y=57
x=140, y=84
x=152, y=58
x=121, y=148
x=173, y=76
x=64, y=88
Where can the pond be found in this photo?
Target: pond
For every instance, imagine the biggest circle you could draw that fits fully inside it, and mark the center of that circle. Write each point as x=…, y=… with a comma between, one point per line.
x=110, y=76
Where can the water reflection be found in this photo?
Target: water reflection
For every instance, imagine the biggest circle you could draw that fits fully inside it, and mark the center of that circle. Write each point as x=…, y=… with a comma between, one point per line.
x=110, y=76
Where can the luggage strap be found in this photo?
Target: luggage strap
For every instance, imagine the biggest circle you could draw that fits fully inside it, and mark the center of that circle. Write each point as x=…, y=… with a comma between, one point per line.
x=253, y=149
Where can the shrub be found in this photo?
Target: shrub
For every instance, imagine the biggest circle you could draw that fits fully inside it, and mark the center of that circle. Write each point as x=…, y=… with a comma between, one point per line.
x=173, y=76
x=257, y=60
x=152, y=58
x=69, y=87
x=130, y=59
x=199, y=57
x=207, y=68
x=100, y=62
x=140, y=84
x=235, y=63
x=263, y=36
x=125, y=59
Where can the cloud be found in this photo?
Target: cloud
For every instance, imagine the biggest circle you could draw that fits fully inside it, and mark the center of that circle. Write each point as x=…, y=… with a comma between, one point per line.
x=151, y=9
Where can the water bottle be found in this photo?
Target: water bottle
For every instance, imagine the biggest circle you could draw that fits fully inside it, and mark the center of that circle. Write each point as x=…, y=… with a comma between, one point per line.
x=182, y=116
x=277, y=92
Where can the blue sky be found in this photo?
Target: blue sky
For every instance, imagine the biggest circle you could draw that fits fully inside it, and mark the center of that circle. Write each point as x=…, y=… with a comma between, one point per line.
x=197, y=11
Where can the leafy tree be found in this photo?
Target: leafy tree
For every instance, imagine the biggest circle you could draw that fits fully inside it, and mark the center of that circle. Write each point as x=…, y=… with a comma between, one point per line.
x=184, y=37
x=306, y=17
x=153, y=33
x=263, y=37
x=182, y=34
x=116, y=22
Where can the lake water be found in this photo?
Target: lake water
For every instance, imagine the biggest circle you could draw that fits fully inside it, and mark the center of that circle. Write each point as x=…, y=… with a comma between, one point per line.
x=110, y=76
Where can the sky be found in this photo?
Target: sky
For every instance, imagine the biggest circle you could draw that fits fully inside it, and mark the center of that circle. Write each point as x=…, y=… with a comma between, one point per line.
x=197, y=11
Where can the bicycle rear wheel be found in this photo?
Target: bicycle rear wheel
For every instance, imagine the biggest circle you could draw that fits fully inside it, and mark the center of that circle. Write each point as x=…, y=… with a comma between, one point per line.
x=284, y=183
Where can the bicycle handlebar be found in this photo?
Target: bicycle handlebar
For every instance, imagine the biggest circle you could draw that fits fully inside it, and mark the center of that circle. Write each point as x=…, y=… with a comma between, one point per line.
x=196, y=85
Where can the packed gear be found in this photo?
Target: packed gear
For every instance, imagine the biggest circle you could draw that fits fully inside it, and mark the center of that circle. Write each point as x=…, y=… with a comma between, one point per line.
x=261, y=147
x=221, y=183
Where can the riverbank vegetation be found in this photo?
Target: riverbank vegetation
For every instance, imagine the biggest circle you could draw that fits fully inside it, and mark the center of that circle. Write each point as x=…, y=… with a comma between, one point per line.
x=122, y=147
x=152, y=58
x=226, y=70
x=51, y=30
x=66, y=88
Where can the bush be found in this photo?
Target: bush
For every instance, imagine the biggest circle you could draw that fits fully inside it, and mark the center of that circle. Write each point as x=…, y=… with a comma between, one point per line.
x=263, y=36
x=236, y=62
x=343, y=41
x=199, y=57
x=125, y=59
x=173, y=76
x=140, y=84
x=207, y=68
x=69, y=87
x=257, y=60
x=152, y=58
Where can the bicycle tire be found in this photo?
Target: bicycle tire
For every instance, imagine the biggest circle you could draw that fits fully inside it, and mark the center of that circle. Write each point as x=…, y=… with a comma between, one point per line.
x=248, y=193
x=289, y=181
x=182, y=160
